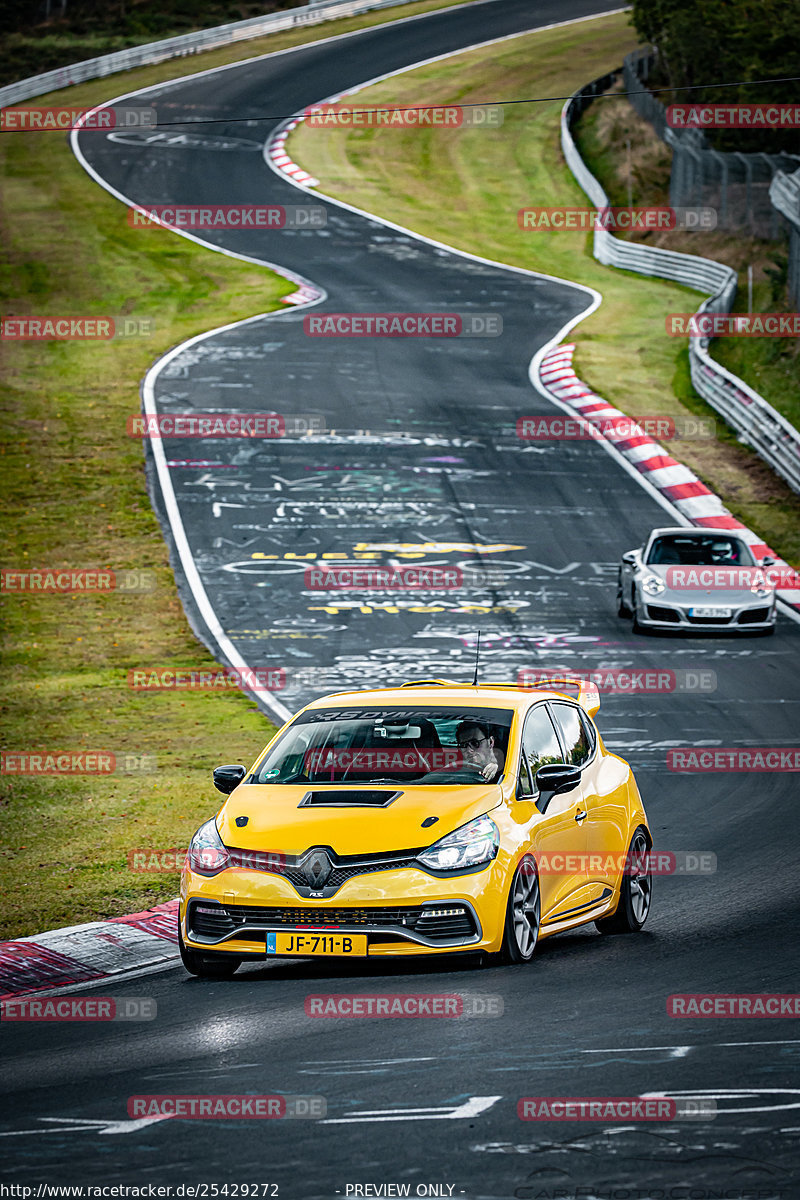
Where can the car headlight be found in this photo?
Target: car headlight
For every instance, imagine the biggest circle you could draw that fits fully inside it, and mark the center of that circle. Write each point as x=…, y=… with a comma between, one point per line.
x=762, y=588
x=207, y=855
x=653, y=585
x=476, y=842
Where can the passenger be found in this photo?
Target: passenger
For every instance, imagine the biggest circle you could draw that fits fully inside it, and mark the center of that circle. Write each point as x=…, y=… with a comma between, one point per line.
x=480, y=752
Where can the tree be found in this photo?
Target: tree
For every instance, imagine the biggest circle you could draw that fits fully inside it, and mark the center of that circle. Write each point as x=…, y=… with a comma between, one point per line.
x=727, y=41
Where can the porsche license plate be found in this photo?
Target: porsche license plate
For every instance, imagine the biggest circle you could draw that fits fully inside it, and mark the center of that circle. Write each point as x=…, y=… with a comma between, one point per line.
x=709, y=612
x=314, y=944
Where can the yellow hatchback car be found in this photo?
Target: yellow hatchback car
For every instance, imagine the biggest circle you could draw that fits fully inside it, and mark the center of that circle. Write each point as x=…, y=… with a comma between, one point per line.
x=430, y=818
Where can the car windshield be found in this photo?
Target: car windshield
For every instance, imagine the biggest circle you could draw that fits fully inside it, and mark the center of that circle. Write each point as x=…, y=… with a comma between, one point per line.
x=691, y=550
x=458, y=746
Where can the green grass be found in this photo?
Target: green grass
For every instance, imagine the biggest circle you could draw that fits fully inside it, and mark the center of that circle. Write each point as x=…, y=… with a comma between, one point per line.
x=465, y=186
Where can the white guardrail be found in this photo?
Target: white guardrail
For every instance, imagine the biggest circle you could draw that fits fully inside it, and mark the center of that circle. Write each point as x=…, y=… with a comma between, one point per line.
x=186, y=43
x=756, y=422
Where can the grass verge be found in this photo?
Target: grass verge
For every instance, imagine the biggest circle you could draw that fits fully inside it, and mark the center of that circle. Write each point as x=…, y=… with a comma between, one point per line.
x=465, y=187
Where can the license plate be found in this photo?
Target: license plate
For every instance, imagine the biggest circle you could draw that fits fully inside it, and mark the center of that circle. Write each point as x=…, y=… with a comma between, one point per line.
x=709, y=612
x=316, y=944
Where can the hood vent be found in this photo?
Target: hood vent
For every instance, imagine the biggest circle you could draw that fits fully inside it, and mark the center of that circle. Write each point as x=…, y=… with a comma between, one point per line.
x=348, y=799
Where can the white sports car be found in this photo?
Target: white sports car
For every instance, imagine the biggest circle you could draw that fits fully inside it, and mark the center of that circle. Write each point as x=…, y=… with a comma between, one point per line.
x=704, y=580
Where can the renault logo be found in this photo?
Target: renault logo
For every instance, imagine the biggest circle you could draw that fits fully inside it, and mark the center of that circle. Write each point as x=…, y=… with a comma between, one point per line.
x=317, y=868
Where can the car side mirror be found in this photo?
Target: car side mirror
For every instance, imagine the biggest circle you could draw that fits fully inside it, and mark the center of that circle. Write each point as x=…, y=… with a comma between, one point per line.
x=554, y=778
x=768, y=561
x=630, y=557
x=227, y=779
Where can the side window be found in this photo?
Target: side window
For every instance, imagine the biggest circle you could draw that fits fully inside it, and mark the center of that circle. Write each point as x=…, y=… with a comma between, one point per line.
x=577, y=742
x=591, y=732
x=539, y=741
x=524, y=783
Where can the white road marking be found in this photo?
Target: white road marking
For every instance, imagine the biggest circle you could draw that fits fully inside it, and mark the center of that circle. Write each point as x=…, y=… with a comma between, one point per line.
x=675, y=1051
x=81, y=1125
x=364, y=1062
x=470, y=1108
x=201, y=1071
x=734, y=1094
x=777, y=1042
x=699, y=1046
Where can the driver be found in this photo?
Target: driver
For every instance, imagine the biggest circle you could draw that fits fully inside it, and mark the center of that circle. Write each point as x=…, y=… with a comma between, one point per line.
x=477, y=744
x=723, y=552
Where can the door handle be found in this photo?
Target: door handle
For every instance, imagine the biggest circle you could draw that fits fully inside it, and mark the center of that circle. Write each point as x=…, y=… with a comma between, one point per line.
x=580, y=816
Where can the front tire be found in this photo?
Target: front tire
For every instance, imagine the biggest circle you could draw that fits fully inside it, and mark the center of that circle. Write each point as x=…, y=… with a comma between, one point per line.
x=636, y=892
x=205, y=967
x=523, y=915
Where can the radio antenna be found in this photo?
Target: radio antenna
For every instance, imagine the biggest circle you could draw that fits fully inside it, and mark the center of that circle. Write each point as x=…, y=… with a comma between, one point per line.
x=477, y=659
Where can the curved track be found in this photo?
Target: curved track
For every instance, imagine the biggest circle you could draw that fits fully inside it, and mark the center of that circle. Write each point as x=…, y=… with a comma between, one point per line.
x=441, y=465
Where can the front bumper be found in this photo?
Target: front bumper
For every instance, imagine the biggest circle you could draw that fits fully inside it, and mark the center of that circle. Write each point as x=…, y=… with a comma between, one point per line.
x=665, y=612
x=402, y=912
